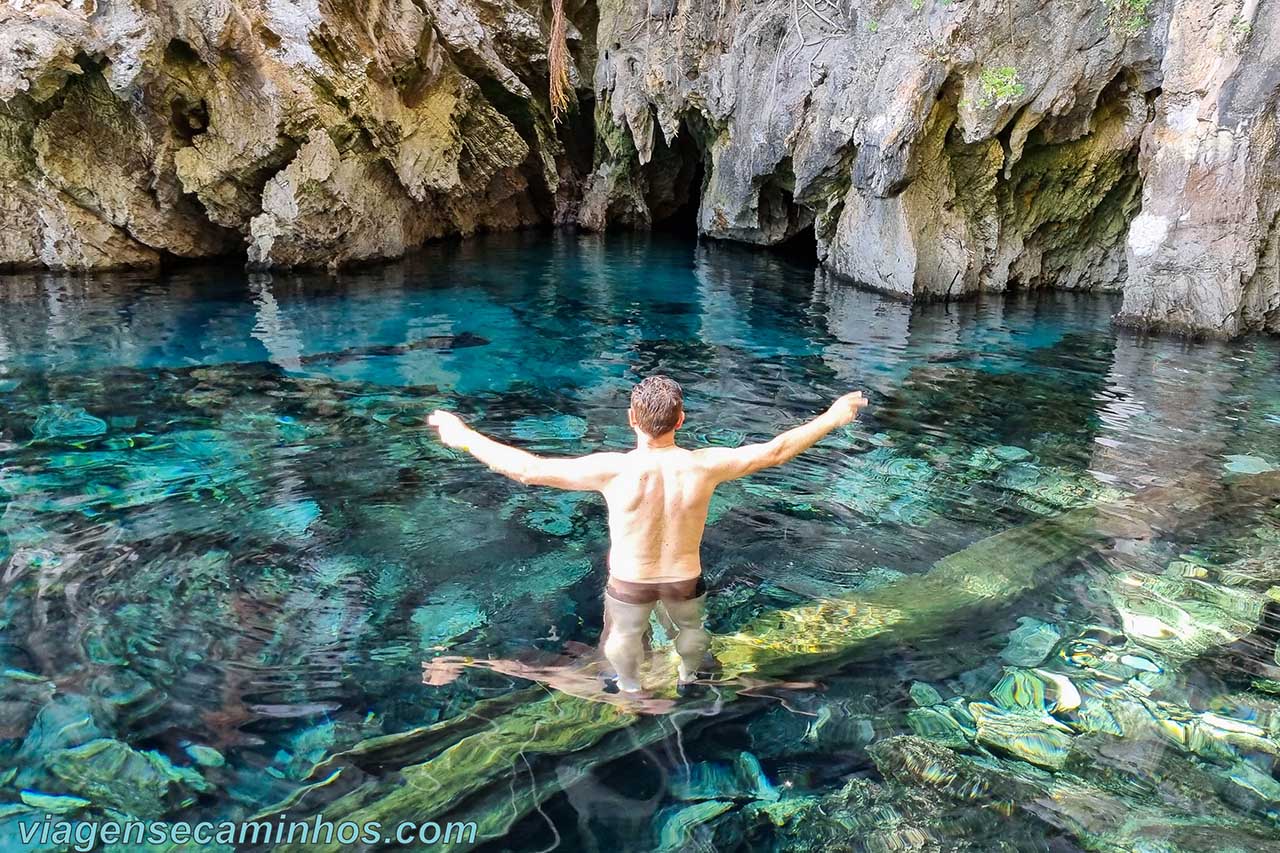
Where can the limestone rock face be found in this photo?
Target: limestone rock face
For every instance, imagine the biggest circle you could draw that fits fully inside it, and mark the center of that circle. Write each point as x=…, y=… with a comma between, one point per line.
x=290, y=132
x=936, y=148
x=1202, y=255
x=942, y=148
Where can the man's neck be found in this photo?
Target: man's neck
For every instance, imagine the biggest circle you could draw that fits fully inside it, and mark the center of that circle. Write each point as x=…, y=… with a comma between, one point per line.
x=662, y=442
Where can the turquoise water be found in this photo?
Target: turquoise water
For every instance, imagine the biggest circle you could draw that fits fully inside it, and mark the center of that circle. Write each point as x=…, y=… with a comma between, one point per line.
x=229, y=545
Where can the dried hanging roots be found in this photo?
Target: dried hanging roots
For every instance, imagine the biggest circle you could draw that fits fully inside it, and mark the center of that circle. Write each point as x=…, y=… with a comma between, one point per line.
x=558, y=62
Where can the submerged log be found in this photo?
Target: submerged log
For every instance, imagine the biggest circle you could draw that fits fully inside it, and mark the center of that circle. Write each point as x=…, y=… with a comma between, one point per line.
x=472, y=775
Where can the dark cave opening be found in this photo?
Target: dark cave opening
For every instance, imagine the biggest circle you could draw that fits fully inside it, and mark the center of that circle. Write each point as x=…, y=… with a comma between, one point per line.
x=179, y=52
x=801, y=247
x=674, y=180
x=188, y=118
x=577, y=132
x=786, y=226
x=682, y=220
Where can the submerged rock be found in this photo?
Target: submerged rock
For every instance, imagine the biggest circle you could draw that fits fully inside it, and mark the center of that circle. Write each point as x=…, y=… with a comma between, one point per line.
x=741, y=779
x=1038, y=739
x=1248, y=465
x=778, y=732
x=112, y=774
x=1008, y=453
x=924, y=695
x=1030, y=643
x=53, y=803
x=859, y=816
x=1104, y=813
x=68, y=720
x=1182, y=617
x=681, y=828
x=205, y=756
x=60, y=422
x=553, y=429
x=1104, y=738
x=839, y=727
x=451, y=612
x=941, y=725
x=1021, y=690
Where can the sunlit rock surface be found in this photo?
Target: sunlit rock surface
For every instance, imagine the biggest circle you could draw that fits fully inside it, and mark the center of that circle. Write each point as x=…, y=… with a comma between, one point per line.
x=1203, y=253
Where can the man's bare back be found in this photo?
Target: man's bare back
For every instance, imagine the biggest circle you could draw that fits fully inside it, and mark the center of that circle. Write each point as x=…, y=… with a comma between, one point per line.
x=658, y=505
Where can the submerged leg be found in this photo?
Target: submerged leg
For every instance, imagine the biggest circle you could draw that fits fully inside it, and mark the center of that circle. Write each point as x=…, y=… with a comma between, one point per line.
x=624, y=646
x=692, y=640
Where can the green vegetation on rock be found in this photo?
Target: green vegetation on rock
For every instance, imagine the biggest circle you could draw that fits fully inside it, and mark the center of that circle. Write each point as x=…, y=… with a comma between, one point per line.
x=1129, y=17
x=998, y=86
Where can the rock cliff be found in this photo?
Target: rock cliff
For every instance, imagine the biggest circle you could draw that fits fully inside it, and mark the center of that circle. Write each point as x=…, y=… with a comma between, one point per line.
x=940, y=148
x=931, y=148
x=290, y=132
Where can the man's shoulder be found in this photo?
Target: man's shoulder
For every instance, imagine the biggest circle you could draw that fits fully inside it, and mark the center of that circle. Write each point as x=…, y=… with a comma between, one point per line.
x=710, y=455
x=609, y=458
x=702, y=461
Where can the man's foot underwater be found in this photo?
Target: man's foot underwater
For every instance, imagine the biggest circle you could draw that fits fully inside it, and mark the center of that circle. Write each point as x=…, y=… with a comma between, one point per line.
x=610, y=684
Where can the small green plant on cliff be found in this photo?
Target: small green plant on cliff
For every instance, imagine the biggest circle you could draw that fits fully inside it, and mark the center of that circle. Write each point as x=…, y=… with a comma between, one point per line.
x=998, y=86
x=917, y=4
x=1241, y=29
x=1129, y=17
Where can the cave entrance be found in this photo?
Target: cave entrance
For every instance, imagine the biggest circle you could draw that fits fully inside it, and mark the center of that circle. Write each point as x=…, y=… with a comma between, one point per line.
x=682, y=221
x=801, y=247
x=674, y=180
x=786, y=227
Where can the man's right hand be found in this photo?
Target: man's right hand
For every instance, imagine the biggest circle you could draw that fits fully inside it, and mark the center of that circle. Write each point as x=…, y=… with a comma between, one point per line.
x=453, y=432
x=847, y=407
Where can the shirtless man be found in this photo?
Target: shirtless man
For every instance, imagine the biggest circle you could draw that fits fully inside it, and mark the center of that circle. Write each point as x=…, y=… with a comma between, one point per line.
x=657, y=496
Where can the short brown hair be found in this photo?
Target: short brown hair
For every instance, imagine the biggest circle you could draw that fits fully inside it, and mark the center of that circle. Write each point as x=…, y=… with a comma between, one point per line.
x=657, y=402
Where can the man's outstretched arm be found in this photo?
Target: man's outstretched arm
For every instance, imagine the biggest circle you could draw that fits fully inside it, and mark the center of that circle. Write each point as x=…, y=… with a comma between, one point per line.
x=730, y=463
x=578, y=473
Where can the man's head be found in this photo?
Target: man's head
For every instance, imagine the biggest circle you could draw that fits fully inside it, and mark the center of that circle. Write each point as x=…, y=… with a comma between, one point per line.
x=657, y=406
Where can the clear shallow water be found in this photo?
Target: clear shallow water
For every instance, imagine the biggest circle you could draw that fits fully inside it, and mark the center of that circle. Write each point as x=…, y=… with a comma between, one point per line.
x=228, y=544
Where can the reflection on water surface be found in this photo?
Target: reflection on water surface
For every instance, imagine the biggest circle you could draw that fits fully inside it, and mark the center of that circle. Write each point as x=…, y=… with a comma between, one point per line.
x=1029, y=600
